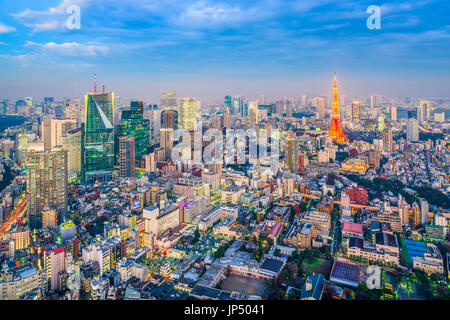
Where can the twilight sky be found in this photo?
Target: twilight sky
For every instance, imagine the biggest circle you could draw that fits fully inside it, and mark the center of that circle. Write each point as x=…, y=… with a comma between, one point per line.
x=211, y=48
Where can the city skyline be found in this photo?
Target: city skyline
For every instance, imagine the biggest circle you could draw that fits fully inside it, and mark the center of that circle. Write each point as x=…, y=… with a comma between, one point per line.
x=240, y=151
x=208, y=49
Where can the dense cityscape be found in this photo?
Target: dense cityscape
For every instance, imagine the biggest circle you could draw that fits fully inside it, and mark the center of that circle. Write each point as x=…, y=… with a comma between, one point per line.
x=104, y=198
x=224, y=158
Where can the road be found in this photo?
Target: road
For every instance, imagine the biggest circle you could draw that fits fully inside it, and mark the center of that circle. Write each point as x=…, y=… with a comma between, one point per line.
x=18, y=212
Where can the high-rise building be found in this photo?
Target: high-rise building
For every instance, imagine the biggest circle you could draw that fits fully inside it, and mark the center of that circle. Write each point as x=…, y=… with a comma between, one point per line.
x=155, y=124
x=72, y=144
x=356, y=111
x=28, y=101
x=253, y=114
x=320, y=105
x=4, y=107
x=73, y=111
x=133, y=124
x=166, y=141
x=412, y=130
x=336, y=129
x=227, y=117
x=424, y=209
x=387, y=140
x=55, y=266
x=21, y=147
x=169, y=100
x=55, y=130
x=423, y=111
x=380, y=121
x=127, y=157
x=188, y=110
x=170, y=119
x=238, y=106
x=227, y=102
x=303, y=101
x=98, y=137
x=393, y=113
x=374, y=159
x=46, y=184
x=150, y=162
x=292, y=154
x=419, y=113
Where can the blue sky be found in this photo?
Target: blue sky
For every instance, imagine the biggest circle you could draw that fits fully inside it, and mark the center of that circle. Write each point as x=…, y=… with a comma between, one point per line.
x=213, y=48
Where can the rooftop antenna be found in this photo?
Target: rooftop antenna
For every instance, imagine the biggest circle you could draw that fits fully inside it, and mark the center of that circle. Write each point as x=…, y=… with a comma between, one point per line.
x=95, y=83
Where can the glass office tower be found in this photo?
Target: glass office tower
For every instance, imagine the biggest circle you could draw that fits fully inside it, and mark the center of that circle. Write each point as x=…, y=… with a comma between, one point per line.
x=98, y=146
x=134, y=125
x=188, y=108
x=227, y=103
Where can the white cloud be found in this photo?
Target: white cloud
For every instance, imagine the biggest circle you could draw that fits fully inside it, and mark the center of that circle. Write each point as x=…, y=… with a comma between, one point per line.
x=72, y=49
x=24, y=60
x=401, y=7
x=52, y=19
x=206, y=14
x=6, y=29
x=202, y=12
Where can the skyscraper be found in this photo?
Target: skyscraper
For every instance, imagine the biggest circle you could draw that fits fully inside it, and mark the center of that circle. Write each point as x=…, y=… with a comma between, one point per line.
x=424, y=209
x=21, y=147
x=55, y=265
x=336, y=129
x=356, y=111
x=227, y=102
x=380, y=120
x=170, y=119
x=127, y=157
x=320, y=105
x=188, y=109
x=227, y=117
x=155, y=124
x=169, y=100
x=72, y=144
x=46, y=184
x=98, y=144
x=423, y=111
x=28, y=101
x=412, y=130
x=238, y=106
x=133, y=124
x=292, y=154
x=393, y=113
x=55, y=130
x=253, y=114
x=166, y=141
x=303, y=102
x=387, y=140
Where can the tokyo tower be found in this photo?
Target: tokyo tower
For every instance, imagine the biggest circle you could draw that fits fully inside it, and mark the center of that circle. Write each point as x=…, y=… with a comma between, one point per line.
x=336, y=129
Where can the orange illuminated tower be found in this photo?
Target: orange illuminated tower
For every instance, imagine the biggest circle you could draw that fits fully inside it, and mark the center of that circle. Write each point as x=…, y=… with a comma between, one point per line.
x=336, y=129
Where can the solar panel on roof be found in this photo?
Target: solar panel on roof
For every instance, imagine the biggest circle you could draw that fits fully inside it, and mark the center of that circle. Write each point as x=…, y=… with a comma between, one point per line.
x=346, y=271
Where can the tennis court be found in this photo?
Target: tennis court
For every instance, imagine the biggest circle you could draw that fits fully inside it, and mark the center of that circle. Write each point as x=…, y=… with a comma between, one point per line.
x=411, y=249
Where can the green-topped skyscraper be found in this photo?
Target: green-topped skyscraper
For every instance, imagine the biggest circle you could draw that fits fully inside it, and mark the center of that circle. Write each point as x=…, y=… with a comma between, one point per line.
x=134, y=125
x=98, y=137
